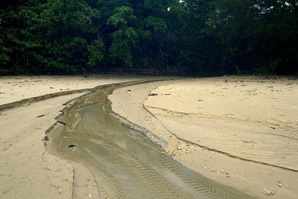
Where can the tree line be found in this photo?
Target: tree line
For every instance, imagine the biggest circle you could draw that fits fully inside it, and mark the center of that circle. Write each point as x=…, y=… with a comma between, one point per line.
x=187, y=37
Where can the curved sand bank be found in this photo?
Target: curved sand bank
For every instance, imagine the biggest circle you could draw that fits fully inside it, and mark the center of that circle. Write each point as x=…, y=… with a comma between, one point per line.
x=27, y=170
x=239, y=131
x=124, y=162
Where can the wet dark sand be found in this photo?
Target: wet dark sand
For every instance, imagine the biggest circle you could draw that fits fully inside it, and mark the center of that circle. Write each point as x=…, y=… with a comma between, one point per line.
x=192, y=117
x=239, y=131
x=125, y=163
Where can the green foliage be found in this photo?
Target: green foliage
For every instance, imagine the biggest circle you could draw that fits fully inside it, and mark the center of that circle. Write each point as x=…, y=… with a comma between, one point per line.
x=124, y=37
x=78, y=49
x=156, y=23
x=123, y=42
x=4, y=57
x=122, y=16
x=255, y=36
x=195, y=36
x=95, y=49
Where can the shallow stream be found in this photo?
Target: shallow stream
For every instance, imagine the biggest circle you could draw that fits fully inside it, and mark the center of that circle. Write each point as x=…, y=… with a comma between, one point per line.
x=125, y=162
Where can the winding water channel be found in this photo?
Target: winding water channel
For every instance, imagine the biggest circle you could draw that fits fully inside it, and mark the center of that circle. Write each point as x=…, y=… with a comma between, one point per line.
x=124, y=161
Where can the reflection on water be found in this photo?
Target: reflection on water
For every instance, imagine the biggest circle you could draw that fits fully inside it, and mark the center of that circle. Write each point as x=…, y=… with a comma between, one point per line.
x=124, y=161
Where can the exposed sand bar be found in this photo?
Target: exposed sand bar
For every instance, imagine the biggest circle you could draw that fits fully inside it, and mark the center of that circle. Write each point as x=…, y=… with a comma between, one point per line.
x=239, y=131
x=26, y=169
x=125, y=163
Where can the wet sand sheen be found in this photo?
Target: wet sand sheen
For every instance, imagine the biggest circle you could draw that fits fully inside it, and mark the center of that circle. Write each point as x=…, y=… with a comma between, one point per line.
x=125, y=162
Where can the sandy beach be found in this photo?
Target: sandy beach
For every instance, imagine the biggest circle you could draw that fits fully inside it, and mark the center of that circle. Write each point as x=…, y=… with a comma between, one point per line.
x=238, y=131
x=27, y=170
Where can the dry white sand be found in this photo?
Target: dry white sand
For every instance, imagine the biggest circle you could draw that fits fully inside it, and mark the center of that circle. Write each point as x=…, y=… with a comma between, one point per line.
x=240, y=131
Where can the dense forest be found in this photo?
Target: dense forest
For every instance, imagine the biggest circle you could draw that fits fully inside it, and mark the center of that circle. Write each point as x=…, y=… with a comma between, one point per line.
x=160, y=37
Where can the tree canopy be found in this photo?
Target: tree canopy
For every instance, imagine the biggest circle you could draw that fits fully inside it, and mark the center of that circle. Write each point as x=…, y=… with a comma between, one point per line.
x=186, y=37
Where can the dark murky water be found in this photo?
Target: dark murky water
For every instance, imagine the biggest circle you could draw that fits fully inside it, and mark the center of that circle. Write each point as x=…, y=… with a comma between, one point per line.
x=124, y=161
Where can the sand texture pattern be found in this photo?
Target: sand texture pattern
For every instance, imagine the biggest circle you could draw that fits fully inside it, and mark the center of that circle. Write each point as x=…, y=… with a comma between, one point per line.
x=240, y=131
x=27, y=170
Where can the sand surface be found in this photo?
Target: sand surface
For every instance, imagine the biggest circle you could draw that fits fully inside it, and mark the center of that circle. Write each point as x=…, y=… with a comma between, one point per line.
x=27, y=170
x=240, y=131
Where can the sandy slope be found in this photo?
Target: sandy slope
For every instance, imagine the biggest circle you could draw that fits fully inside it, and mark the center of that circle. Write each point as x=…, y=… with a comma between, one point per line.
x=27, y=170
x=240, y=131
